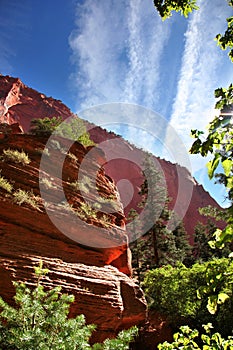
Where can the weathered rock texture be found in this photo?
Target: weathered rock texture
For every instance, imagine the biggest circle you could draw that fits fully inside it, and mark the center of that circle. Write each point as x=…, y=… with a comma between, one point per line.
x=105, y=231
x=107, y=297
x=19, y=104
x=105, y=294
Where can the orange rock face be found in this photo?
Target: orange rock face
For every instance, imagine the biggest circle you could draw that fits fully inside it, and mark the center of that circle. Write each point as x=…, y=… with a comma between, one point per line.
x=20, y=104
x=79, y=261
x=107, y=297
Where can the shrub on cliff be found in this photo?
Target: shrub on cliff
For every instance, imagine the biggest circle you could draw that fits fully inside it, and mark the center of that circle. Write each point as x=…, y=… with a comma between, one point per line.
x=73, y=129
x=40, y=322
x=13, y=155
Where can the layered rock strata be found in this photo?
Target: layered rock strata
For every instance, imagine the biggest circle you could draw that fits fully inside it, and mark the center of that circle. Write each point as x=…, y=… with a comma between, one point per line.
x=78, y=262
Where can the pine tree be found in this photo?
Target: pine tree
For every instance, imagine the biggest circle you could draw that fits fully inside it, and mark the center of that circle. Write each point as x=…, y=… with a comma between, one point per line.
x=154, y=196
x=157, y=244
x=40, y=322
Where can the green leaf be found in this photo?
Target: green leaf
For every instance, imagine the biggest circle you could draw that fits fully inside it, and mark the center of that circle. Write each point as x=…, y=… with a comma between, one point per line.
x=227, y=166
x=212, y=165
x=222, y=297
x=212, y=304
x=225, y=235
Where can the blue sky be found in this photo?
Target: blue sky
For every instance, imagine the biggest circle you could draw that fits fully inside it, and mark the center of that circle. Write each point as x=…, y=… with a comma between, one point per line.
x=91, y=52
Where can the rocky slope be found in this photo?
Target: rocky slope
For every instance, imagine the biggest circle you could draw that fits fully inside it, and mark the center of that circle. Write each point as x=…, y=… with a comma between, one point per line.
x=19, y=104
x=92, y=263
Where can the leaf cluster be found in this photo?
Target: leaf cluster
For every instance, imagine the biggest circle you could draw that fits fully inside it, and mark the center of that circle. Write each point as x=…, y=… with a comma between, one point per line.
x=202, y=249
x=5, y=184
x=73, y=129
x=202, y=293
x=189, y=339
x=44, y=126
x=225, y=41
x=15, y=156
x=165, y=7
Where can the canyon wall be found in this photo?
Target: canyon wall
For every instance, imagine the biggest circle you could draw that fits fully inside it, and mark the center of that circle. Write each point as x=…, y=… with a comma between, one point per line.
x=19, y=104
x=93, y=263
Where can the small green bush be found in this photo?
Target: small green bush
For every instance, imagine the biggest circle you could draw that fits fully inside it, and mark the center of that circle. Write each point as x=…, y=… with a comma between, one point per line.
x=5, y=184
x=15, y=156
x=73, y=129
x=44, y=126
x=27, y=197
x=86, y=212
x=47, y=183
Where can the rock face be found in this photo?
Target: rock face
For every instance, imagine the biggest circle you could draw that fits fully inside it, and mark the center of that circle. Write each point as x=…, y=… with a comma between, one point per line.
x=107, y=297
x=92, y=261
x=19, y=104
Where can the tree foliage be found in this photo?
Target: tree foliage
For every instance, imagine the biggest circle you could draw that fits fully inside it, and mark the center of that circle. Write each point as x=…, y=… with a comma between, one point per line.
x=73, y=129
x=188, y=339
x=202, y=250
x=225, y=41
x=40, y=322
x=156, y=243
x=165, y=7
x=219, y=144
x=44, y=126
x=196, y=295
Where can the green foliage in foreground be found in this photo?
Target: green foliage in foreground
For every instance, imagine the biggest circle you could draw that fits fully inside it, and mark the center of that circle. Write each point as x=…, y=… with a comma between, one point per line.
x=188, y=339
x=219, y=144
x=40, y=322
x=196, y=295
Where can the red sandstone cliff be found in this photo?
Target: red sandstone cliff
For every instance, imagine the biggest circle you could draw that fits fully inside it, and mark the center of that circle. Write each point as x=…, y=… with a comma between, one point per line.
x=19, y=104
x=92, y=264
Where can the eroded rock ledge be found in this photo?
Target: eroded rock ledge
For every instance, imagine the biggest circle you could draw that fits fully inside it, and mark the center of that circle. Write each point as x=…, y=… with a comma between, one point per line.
x=107, y=297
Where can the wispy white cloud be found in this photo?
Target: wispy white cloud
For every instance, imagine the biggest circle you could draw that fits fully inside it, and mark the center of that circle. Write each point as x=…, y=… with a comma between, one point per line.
x=200, y=73
x=98, y=45
x=117, y=48
x=123, y=52
x=147, y=39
